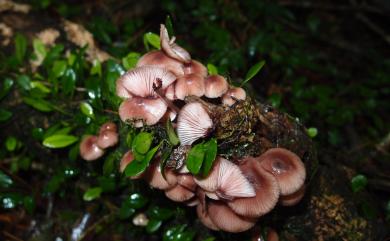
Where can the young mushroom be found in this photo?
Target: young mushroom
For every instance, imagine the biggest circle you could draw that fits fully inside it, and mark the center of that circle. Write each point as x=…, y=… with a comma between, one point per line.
x=195, y=67
x=89, y=150
x=155, y=178
x=293, y=198
x=215, y=86
x=232, y=95
x=287, y=168
x=193, y=123
x=107, y=139
x=179, y=194
x=190, y=84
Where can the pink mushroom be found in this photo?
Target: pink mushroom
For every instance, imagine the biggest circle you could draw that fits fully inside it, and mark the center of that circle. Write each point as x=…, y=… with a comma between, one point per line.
x=160, y=59
x=232, y=95
x=190, y=84
x=195, y=67
x=89, y=150
x=171, y=48
x=215, y=86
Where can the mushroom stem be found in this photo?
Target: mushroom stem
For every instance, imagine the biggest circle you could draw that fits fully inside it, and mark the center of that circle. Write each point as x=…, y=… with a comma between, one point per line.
x=157, y=87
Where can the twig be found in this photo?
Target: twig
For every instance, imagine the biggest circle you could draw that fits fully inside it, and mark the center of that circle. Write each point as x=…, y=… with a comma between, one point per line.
x=12, y=237
x=93, y=226
x=373, y=27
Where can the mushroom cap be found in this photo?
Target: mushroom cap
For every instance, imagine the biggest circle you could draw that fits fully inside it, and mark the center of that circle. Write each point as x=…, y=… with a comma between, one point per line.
x=89, y=150
x=160, y=59
x=110, y=126
x=287, y=168
x=193, y=123
x=215, y=86
x=187, y=181
x=226, y=219
x=205, y=218
x=142, y=110
x=156, y=179
x=192, y=202
x=121, y=91
x=231, y=181
x=127, y=158
x=232, y=95
x=195, y=67
x=293, y=198
x=139, y=81
x=107, y=139
x=210, y=183
x=266, y=188
x=189, y=84
x=172, y=49
x=170, y=92
x=179, y=194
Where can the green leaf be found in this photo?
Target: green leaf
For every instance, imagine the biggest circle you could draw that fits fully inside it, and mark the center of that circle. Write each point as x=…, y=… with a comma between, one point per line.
x=178, y=233
x=125, y=211
x=209, y=239
x=212, y=69
x=20, y=47
x=5, y=115
x=5, y=180
x=37, y=133
x=151, y=39
x=39, y=49
x=253, y=71
x=173, y=139
x=53, y=54
x=211, y=149
x=63, y=131
x=29, y=204
x=312, y=132
x=6, y=87
x=92, y=193
x=68, y=81
x=195, y=158
x=153, y=225
x=130, y=60
x=169, y=25
x=137, y=167
x=358, y=183
x=160, y=213
x=39, y=104
x=87, y=109
x=275, y=99
x=59, y=141
x=59, y=68
x=137, y=201
x=10, y=200
x=11, y=143
x=96, y=68
x=40, y=86
x=142, y=142
x=24, y=82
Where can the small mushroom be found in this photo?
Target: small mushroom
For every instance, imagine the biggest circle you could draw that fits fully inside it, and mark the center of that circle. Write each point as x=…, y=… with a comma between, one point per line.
x=160, y=59
x=215, y=86
x=187, y=181
x=226, y=219
x=287, y=168
x=232, y=95
x=190, y=84
x=108, y=126
x=293, y=198
x=156, y=179
x=179, y=194
x=140, y=220
x=193, y=123
x=107, y=139
x=142, y=110
x=171, y=48
x=89, y=150
x=195, y=67
x=266, y=188
x=205, y=218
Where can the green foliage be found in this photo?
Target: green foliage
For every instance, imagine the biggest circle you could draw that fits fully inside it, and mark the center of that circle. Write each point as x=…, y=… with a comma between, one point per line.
x=358, y=183
x=252, y=72
x=92, y=193
x=201, y=157
x=59, y=141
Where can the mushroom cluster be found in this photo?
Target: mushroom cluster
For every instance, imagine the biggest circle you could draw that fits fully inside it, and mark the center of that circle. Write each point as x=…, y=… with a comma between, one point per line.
x=168, y=84
x=92, y=147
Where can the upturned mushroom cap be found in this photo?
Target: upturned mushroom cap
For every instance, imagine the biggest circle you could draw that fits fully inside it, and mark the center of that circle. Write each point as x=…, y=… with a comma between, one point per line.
x=110, y=126
x=107, y=139
x=266, y=188
x=231, y=181
x=156, y=179
x=193, y=123
x=293, y=198
x=232, y=95
x=139, y=81
x=179, y=194
x=195, y=67
x=215, y=86
x=210, y=183
x=189, y=84
x=287, y=168
x=226, y=219
x=142, y=110
x=159, y=59
x=171, y=48
x=89, y=150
